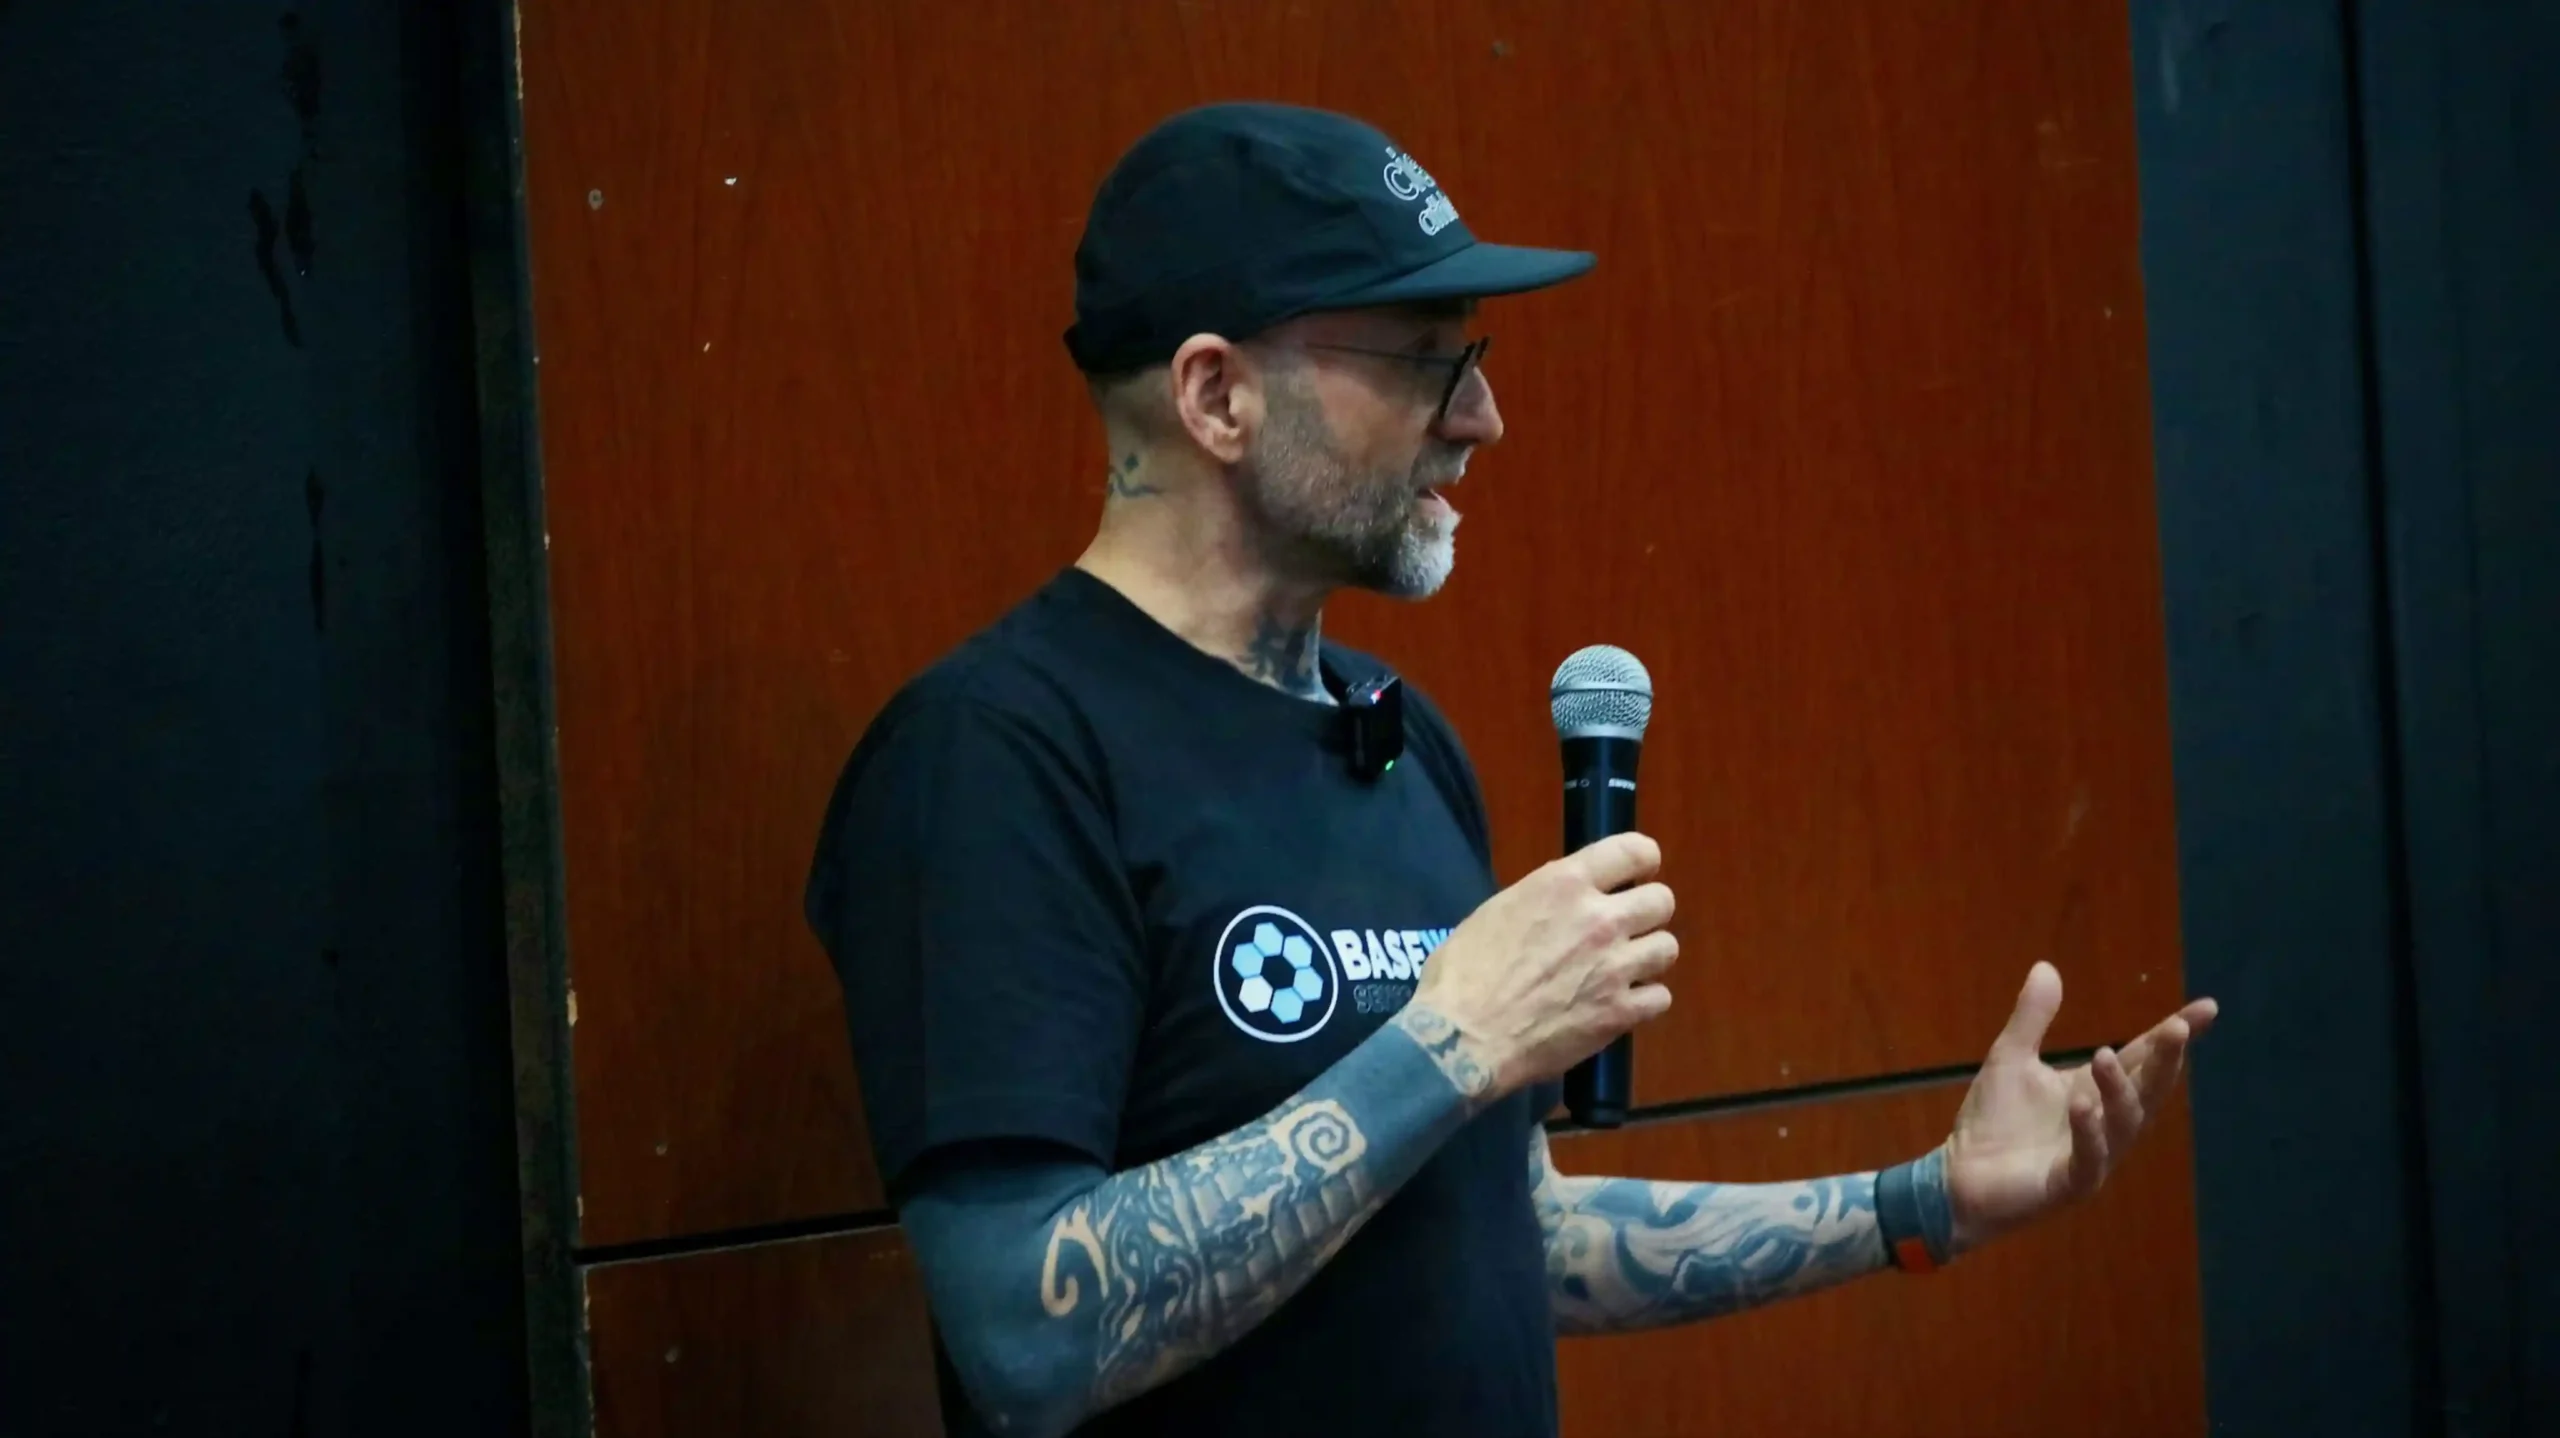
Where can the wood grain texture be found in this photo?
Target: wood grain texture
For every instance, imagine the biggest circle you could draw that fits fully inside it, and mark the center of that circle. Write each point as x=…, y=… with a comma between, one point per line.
x=1846, y=438
x=2087, y=1324
x=825, y=1337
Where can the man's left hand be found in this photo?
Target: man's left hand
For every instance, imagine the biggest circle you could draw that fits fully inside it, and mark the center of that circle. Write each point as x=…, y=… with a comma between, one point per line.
x=2031, y=1138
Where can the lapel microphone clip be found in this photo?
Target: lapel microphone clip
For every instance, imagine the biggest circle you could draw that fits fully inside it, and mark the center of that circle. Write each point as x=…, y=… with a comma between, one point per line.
x=1373, y=716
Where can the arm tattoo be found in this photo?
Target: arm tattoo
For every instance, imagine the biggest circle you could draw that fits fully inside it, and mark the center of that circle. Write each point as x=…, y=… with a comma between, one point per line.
x=1284, y=657
x=1448, y=1048
x=1123, y=482
x=1190, y=1253
x=1626, y=1253
x=1142, y=1275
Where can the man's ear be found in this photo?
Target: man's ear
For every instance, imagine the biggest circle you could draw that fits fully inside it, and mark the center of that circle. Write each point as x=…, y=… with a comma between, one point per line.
x=1217, y=395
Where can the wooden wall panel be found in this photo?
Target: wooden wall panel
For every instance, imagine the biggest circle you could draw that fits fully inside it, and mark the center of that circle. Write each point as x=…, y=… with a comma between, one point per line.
x=2088, y=1324
x=824, y=1337
x=1846, y=438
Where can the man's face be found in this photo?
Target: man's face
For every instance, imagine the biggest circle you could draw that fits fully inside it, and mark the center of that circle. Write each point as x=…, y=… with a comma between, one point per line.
x=1342, y=476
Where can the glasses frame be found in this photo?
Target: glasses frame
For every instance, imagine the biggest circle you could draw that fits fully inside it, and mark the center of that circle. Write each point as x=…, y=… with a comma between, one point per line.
x=1460, y=365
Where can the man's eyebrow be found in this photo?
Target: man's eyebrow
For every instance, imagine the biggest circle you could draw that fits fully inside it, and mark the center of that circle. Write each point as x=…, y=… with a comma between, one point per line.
x=1432, y=316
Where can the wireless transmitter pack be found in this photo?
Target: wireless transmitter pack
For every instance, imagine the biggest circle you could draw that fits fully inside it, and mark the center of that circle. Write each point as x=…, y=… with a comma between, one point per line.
x=1373, y=719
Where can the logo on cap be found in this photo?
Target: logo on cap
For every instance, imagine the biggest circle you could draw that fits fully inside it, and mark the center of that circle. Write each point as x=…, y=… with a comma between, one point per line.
x=1407, y=180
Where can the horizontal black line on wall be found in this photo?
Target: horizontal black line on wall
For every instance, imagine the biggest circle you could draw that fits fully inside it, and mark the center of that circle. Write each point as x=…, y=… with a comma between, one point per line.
x=837, y=1225
x=1730, y=1103
x=754, y=1235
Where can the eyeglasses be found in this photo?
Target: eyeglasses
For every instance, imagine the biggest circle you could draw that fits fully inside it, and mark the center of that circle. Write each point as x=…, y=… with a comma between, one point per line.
x=1460, y=364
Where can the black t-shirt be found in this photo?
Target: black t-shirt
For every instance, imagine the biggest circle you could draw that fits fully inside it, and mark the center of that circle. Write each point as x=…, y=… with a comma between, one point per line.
x=1088, y=885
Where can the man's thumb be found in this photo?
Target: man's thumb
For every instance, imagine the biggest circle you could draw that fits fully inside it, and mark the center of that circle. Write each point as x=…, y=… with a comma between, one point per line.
x=2037, y=1004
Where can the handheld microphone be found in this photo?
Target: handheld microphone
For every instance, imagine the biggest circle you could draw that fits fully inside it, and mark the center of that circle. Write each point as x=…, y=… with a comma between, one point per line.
x=1601, y=700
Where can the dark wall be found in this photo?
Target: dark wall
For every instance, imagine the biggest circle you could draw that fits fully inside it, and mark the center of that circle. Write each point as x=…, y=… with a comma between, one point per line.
x=2304, y=1158
x=2461, y=124
x=2352, y=252
x=256, y=1134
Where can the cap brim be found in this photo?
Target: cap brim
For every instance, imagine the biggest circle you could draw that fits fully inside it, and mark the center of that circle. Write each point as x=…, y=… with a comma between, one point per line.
x=1478, y=271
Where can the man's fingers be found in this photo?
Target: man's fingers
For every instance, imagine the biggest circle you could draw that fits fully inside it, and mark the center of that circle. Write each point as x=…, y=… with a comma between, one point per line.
x=1649, y=956
x=2124, y=1107
x=1646, y=1002
x=2088, y=1145
x=1619, y=860
x=1644, y=908
x=2166, y=1039
x=2175, y=1032
x=2156, y=1059
x=2037, y=1004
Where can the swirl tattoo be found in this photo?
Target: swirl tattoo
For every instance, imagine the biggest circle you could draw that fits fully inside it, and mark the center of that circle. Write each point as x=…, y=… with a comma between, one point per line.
x=1075, y=1228
x=1321, y=1134
x=1187, y=1254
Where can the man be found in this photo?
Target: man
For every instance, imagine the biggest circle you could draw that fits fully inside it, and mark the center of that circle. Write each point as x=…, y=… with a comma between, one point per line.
x=1096, y=885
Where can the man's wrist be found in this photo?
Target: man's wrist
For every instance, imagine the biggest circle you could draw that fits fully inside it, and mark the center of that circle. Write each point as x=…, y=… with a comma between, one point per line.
x=1461, y=1059
x=1914, y=1214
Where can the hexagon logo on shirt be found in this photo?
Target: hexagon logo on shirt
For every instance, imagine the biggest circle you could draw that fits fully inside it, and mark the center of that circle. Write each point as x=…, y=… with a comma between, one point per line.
x=1274, y=975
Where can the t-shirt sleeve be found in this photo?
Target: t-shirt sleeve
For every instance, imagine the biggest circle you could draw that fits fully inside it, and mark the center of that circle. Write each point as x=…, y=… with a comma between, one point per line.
x=968, y=891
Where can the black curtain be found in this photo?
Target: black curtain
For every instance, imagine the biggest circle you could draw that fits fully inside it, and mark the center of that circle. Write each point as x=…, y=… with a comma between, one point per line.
x=2351, y=242
x=255, y=1108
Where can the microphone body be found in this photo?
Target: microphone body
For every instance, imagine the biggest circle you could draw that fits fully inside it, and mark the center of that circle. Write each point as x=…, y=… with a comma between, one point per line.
x=1600, y=800
x=1601, y=700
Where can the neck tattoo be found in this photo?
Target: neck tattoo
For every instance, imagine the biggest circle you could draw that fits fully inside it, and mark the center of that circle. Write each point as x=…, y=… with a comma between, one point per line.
x=1123, y=482
x=1284, y=657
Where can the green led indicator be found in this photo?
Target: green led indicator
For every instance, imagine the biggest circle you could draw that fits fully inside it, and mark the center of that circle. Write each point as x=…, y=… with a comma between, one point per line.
x=1391, y=767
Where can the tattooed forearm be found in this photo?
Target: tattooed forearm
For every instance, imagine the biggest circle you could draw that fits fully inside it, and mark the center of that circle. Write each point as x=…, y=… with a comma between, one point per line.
x=1186, y=1255
x=1284, y=656
x=1448, y=1048
x=1627, y=1253
x=1062, y=1294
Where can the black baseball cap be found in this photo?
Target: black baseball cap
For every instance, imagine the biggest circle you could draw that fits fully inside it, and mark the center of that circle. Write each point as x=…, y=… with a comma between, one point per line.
x=1231, y=218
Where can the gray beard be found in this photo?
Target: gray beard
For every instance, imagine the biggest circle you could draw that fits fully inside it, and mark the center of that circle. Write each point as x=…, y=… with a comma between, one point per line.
x=1319, y=519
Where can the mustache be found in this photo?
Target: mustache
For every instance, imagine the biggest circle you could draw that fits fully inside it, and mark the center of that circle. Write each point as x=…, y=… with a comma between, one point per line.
x=1442, y=468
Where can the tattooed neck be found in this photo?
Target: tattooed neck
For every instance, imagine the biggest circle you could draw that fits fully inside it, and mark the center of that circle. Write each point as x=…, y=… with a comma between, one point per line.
x=1284, y=657
x=1123, y=482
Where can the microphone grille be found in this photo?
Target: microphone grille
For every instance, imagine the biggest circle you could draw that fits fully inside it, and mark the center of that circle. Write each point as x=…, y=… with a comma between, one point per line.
x=1601, y=689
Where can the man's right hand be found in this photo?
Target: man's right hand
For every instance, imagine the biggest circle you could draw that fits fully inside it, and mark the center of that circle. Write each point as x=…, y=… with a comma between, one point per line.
x=1547, y=972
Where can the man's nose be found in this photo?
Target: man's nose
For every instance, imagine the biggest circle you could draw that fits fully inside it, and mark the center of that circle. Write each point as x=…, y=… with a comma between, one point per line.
x=1472, y=416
